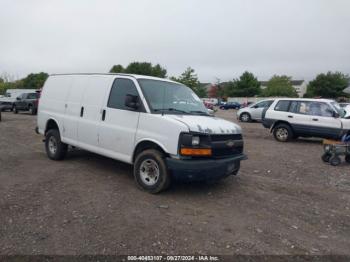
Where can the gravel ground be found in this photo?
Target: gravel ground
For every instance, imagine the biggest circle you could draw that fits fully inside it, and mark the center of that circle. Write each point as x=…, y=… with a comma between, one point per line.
x=284, y=201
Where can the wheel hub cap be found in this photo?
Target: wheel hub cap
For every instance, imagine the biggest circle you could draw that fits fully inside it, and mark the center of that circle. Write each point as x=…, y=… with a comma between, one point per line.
x=282, y=133
x=52, y=145
x=149, y=172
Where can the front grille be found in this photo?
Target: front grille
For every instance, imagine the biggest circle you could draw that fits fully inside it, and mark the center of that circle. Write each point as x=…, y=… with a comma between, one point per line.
x=220, y=147
x=226, y=137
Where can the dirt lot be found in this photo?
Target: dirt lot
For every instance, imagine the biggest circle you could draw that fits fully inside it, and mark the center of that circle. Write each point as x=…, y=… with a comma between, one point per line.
x=284, y=201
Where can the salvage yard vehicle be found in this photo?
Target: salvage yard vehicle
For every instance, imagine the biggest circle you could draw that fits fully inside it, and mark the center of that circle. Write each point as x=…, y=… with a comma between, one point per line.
x=10, y=97
x=26, y=102
x=158, y=125
x=333, y=150
x=289, y=118
x=230, y=105
x=254, y=111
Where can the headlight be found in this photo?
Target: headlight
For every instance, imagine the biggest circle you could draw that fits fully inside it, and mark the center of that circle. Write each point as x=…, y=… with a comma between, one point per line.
x=195, y=140
x=194, y=145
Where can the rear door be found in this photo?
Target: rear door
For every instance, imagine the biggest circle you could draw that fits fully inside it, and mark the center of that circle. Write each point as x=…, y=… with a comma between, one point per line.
x=91, y=111
x=256, y=111
x=73, y=108
x=119, y=124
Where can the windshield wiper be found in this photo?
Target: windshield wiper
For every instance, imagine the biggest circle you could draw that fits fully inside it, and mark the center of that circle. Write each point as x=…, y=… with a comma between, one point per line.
x=171, y=109
x=200, y=113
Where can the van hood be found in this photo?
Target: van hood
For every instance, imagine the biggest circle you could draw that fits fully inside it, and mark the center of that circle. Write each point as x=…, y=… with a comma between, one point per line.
x=207, y=124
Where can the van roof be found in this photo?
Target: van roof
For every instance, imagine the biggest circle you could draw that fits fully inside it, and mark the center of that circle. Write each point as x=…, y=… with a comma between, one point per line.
x=120, y=74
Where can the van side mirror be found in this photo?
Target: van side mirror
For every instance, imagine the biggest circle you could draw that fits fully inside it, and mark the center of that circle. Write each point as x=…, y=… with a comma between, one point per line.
x=131, y=101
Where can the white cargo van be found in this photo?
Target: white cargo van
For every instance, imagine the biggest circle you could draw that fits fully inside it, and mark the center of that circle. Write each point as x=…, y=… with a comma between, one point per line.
x=159, y=126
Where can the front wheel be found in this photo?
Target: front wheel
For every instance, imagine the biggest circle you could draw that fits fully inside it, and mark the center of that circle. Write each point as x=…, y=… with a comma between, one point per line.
x=326, y=157
x=245, y=117
x=15, y=110
x=335, y=160
x=150, y=171
x=55, y=148
x=283, y=133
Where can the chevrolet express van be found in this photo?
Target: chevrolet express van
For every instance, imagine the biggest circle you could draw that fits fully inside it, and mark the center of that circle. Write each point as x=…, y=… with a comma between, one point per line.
x=159, y=126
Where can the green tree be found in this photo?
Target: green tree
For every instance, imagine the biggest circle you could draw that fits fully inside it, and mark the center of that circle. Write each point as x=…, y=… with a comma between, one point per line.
x=330, y=85
x=280, y=86
x=188, y=78
x=246, y=85
x=117, y=69
x=140, y=68
x=34, y=81
x=200, y=91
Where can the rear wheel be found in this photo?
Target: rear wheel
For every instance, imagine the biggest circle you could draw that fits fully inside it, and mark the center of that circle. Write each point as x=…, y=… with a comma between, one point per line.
x=55, y=148
x=283, y=133
x=31, y=110
x=150, y=171
x=347, y=158
x=245, y=117
x=335, y=160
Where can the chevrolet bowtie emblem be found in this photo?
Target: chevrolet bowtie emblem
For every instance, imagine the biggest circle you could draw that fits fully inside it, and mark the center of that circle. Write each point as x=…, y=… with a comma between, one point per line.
x=230, y=143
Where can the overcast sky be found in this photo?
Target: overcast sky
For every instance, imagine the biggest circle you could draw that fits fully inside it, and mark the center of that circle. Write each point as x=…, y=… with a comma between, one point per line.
x=218, y=38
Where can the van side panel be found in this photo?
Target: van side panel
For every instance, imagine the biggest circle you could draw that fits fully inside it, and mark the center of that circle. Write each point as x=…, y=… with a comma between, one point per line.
x=52, y=101
x=161, y=130
x=92, y=102
x=73, y=108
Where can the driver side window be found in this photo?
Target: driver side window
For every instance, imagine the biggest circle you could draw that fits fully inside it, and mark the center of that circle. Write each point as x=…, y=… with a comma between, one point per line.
x=121, y=87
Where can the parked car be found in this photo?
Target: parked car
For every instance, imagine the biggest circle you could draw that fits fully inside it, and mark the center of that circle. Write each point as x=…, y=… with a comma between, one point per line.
x=230, y=105
x=344, y=104
x=6, y=102
x=290, y=118
x=26, y=102
x=253, y=112
x=159, y=126
x=6, y=105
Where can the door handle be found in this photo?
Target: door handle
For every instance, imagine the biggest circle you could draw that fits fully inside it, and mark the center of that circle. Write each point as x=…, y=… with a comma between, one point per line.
x=103, y=114
x=290, y=116
x=315, y=119
x=81, y=111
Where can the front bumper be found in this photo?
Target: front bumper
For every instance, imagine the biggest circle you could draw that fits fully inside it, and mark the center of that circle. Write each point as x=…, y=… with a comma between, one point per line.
x=204, y=169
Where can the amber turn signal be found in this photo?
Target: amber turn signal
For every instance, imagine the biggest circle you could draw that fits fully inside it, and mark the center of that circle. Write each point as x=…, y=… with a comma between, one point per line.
x=195, y=151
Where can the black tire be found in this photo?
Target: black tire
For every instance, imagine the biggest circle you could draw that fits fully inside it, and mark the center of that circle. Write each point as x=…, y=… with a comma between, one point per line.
x=155, y=160
x=347, y=158
x=326, y=157
x=283, y=133
x=335, y=160
x=15, y=110
x=31, y=110
x=245, y=117
x=55, y=148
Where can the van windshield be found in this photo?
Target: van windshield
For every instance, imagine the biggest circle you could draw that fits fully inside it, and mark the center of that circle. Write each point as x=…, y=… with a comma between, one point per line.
x=171, y=98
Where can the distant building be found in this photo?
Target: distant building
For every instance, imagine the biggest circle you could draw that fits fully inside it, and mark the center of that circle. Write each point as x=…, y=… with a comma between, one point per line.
x=300, y=86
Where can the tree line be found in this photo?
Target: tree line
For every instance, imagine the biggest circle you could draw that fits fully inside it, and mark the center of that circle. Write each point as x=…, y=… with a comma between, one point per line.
x=327, y=85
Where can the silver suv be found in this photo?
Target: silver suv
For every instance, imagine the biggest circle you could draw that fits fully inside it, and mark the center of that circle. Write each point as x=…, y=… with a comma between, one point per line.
x=254, y=111
x=289, y=118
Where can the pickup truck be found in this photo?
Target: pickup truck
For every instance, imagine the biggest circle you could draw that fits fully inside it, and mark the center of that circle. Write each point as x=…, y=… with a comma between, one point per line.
x=26, y=102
